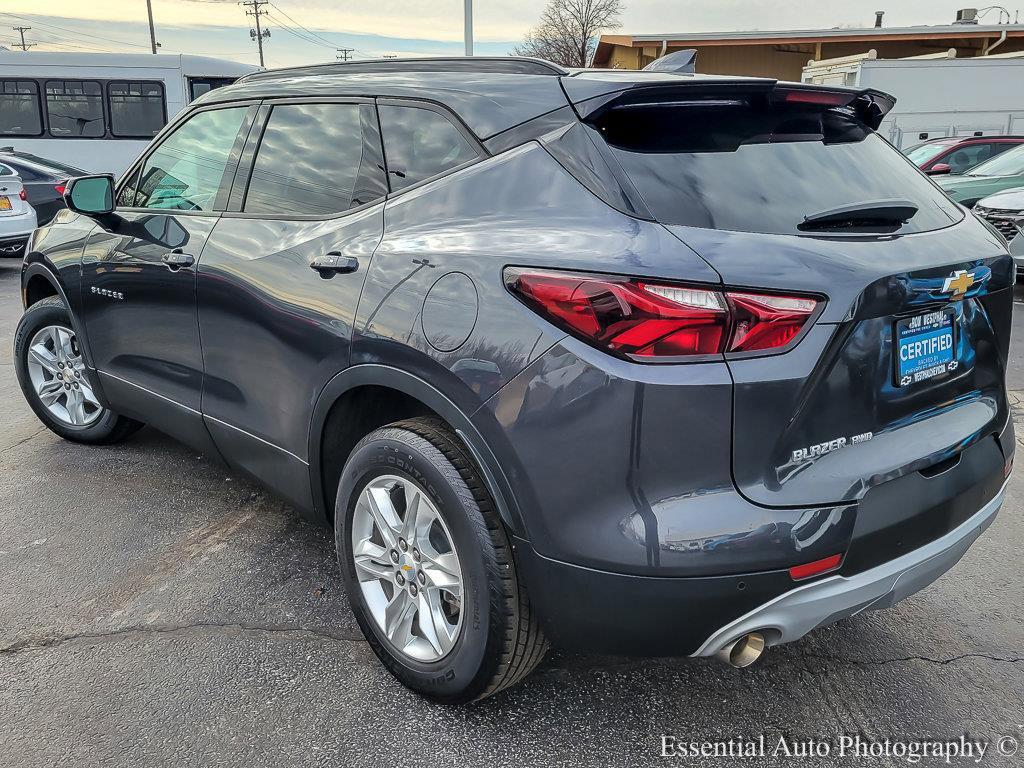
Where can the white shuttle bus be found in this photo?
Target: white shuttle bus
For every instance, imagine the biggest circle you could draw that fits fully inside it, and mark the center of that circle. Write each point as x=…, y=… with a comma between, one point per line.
x=97, y=111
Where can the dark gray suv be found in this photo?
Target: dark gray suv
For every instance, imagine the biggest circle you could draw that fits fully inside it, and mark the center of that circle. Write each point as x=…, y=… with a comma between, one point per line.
x=629, y=362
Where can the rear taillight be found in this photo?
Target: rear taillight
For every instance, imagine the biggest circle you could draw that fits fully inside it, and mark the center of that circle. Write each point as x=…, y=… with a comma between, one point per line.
x=22, y=195
x=656, y=322
x=61, y=188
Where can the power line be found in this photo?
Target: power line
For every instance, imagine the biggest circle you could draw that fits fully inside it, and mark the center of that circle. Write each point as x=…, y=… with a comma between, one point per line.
x=24, y=46
x=257, y=34
x=295, y=33
x=344, y=54
x=296, y=23
x=77, y=33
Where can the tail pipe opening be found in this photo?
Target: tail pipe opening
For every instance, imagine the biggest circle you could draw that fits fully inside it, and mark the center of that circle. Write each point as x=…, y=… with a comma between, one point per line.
x=744, y=651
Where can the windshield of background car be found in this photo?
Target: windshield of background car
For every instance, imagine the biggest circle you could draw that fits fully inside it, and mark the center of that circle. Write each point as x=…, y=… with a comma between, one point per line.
x=1007, y=164
x=924, y=153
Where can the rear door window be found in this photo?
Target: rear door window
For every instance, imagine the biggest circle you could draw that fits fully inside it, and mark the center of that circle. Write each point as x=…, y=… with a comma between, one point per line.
x=763, y=168
x=74, y=108
x=317, y=160
x=420, y=143
x=19, y=108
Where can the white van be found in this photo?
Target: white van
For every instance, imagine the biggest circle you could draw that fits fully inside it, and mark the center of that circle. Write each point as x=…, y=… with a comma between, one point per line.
x=97, y=111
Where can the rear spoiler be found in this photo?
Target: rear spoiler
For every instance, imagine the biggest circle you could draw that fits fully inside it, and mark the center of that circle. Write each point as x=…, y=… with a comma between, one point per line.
x=870, y=105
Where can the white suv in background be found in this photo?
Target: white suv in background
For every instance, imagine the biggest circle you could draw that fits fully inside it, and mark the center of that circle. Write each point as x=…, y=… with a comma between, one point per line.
x=17, y=217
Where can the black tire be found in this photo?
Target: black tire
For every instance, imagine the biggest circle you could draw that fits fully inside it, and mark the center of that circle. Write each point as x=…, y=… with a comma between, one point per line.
x=110, y=427
x=504, y=642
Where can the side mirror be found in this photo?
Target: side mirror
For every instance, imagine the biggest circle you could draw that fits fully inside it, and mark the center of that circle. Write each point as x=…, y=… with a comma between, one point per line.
x=90, y=195
x=940, y=169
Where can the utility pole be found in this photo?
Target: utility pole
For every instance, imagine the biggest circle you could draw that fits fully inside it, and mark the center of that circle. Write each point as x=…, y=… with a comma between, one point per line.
x=469, y=27
x=152, y=29
x=257, y=34
x=344, y=54
x=24, y=46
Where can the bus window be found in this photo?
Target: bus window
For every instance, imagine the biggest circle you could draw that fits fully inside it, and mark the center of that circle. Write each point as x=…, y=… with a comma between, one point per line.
x=19, y=108
x=136, y=108
x=197, y=86
x=74, y=108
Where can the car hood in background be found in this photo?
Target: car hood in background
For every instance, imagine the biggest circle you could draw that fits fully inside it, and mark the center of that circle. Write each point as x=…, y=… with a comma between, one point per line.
x=1007, y=200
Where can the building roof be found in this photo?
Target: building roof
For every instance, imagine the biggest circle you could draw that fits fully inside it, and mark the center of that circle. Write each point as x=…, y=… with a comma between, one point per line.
x=768, y=37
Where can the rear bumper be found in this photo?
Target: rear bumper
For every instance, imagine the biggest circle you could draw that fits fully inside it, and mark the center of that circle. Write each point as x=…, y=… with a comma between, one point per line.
x=15, y=231
x=597, y=611
x=795, y=613
x=13, y=245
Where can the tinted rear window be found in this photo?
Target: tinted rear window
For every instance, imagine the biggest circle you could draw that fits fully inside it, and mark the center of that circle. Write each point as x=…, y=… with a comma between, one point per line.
x=762, y=168
x=317, y=160
x=421, y=143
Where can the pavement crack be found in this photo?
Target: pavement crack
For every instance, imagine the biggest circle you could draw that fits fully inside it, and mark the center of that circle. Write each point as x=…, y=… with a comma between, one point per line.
x=44, y=642
x=925, y=659
x=23, y=440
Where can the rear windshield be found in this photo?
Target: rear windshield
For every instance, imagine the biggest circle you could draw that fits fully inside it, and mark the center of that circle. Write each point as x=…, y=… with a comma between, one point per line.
x=763, y=168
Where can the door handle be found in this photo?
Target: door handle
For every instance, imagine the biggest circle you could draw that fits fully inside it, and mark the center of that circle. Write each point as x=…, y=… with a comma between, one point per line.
x=177, y=259
x=334, y=262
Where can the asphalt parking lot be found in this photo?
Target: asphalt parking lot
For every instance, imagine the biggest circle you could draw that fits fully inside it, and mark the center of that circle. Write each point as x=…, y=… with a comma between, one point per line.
x=155, y=610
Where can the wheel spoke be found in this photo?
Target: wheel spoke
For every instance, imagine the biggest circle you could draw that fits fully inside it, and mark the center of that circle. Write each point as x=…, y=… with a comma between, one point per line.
x=432, y=623
x=371, y=562
x=49, y=391
x=384, y=515
x=442, y=571
x=412, y=507
x=40, y=354
x=88, y=395
x=62, y=344
x=76, y=408
x=398, y=618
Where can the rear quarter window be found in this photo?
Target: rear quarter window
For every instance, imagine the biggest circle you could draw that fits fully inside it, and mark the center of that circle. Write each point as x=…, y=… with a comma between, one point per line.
x=420, y=143
x=763, y=168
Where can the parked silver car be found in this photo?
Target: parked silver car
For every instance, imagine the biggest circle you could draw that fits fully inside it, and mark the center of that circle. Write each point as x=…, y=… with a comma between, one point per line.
x=1005, y=211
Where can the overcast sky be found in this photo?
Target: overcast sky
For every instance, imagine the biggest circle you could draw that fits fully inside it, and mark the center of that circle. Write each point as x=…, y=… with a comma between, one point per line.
x=307, y=30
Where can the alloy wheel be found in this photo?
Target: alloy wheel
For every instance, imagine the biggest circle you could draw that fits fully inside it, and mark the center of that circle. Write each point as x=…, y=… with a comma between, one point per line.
x=57, y=371
x=407, y=567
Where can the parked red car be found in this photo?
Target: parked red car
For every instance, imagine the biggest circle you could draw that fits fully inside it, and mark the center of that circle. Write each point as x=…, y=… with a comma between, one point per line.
x=958, y=154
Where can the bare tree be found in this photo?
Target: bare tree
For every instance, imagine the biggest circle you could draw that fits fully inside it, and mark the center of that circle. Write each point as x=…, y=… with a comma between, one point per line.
x=568, y=30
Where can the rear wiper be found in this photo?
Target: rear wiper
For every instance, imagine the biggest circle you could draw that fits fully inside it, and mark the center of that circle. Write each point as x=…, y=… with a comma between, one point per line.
x=888, y=214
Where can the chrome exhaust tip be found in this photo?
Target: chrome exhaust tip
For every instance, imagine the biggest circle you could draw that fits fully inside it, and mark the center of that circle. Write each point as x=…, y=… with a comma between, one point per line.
x=744, y=651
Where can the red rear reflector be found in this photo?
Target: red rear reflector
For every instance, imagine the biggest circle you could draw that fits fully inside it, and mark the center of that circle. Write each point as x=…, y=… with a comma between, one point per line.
x=22, y=195
x=1008, y=467
x=61, y=188
x=649, y=321
x=824, y=565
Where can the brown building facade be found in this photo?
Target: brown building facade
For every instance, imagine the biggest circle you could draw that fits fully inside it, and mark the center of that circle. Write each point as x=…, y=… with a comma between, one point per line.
x=783, y=55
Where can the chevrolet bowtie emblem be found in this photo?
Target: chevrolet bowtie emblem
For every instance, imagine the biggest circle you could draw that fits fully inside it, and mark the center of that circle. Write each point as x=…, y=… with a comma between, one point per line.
x=958, y=284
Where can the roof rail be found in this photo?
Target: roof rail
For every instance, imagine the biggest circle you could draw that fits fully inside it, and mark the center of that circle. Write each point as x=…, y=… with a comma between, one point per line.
x=509, y=65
